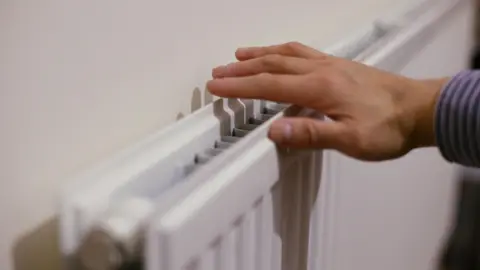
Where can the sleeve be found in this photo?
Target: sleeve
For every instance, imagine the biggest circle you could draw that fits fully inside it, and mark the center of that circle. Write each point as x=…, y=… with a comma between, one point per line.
x=457, y=119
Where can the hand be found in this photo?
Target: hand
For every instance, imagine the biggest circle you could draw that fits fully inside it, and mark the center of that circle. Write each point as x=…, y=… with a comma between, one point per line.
x=376, y=115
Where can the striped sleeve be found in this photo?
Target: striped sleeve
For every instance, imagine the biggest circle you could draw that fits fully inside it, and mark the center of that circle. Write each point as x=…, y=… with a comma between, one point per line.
x=457, y=119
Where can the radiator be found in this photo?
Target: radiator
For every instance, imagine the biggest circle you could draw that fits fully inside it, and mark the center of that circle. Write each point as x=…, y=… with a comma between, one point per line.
x=212, y=192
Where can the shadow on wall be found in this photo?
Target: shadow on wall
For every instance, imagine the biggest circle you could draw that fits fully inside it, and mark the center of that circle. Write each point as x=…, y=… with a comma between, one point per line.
x=38, y=249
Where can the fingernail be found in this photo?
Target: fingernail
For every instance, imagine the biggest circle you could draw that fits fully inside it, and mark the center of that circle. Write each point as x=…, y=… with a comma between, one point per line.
x=216, y=86
x=218, y=71
x=242, y=49
x=281, y=131
x=209, y=84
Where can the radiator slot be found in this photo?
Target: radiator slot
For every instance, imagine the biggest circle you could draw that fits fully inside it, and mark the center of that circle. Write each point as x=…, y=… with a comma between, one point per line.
x=238, y=132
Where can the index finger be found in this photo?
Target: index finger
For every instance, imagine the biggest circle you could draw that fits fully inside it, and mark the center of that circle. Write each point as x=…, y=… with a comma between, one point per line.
x=283, y=88
x=293, y=49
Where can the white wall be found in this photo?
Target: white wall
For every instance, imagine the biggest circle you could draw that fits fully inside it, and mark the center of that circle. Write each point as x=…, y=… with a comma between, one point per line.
x=81, y=79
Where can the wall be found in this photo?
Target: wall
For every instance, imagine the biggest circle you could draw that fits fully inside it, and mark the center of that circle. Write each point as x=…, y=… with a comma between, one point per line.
x=81, y=79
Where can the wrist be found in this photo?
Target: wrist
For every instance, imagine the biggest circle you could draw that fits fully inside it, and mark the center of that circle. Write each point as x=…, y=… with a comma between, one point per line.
x=423, y=100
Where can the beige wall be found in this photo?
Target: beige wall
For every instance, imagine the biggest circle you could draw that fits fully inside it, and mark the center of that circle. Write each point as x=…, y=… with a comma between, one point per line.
x=81, y=79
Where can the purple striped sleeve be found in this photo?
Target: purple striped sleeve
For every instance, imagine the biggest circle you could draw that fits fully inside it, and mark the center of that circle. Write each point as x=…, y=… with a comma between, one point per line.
x=457, y=119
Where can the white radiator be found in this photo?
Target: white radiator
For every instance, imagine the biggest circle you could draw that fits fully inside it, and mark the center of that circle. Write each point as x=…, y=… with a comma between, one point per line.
x=212, y=192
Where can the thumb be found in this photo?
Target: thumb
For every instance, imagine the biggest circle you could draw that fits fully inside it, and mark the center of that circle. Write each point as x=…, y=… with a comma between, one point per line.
x=302, y=132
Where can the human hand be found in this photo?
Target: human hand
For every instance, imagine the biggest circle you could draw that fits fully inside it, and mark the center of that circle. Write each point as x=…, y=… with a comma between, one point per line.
x=376, y=115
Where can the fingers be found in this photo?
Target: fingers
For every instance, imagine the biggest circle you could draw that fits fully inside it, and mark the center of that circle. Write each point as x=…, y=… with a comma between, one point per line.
x=293, y=49
x=301, y=132
x=274, y=87
x=273, y=63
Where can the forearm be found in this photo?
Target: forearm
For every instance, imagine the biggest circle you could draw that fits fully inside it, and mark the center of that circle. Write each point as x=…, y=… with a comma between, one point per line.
x=457, y=119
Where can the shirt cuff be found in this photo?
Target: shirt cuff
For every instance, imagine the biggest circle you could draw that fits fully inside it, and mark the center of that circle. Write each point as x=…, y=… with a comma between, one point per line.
x=457, y=119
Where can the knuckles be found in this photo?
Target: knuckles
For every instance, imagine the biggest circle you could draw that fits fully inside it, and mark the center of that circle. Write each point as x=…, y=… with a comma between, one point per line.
x=272, y=60
x=294, y=46
x=322, y=79
x=266, y=79
x=311, y=133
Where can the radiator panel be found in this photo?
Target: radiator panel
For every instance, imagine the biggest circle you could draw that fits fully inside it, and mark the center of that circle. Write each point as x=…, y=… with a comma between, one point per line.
x=270, y=231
